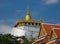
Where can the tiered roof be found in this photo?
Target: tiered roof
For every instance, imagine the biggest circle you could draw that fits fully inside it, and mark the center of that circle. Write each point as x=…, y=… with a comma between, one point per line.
x=52, y=33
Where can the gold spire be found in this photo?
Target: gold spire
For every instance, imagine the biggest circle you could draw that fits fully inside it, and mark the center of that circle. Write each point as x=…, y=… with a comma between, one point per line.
x=28, y=17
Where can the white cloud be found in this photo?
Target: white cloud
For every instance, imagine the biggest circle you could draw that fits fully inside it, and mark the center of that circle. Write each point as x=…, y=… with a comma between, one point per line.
x=50, y=1
x=4, y=29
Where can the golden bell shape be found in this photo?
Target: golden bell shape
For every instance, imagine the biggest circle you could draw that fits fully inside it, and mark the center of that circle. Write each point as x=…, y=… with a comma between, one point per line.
x=28, y=17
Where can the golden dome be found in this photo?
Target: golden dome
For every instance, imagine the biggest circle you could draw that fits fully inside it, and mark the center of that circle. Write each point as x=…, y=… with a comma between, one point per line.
x=28, y=17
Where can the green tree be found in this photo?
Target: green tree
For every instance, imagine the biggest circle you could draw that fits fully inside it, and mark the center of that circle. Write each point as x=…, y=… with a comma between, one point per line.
x=10, y=39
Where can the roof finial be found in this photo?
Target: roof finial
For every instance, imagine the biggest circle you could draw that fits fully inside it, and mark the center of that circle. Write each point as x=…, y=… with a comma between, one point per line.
x=41, y=20
x=28, y=10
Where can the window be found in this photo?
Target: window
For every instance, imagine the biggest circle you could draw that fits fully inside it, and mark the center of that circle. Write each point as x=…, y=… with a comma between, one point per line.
x=29, y=23
x=36, y=23
x=32, y=23
x=39, y=24
x=25, y=22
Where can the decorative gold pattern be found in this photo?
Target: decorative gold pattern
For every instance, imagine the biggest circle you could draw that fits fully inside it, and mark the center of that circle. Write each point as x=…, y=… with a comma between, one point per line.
x=42, y=30
x=53, y=34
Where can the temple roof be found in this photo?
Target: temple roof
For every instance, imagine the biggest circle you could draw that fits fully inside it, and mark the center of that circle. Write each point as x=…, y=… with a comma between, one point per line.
x=27, y=19
x=47, y=27
x=57, y=31
x=55, y=27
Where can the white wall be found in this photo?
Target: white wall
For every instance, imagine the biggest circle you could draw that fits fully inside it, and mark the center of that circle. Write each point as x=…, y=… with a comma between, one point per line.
x=26, y=31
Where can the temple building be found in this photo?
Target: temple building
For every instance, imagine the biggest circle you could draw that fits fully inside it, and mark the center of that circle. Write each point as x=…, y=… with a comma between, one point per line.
x=42, y=32
x=48, y=34
x=26, y=27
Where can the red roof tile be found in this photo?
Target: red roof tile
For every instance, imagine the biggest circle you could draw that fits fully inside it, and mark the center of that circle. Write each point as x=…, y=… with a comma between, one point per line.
x=55, y=27
x=47, y=28
x=57, y=31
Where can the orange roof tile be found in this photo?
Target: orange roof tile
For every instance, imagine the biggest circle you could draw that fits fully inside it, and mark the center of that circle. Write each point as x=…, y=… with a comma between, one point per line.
x=57, y=31
x=55, y=27
x=47, y=28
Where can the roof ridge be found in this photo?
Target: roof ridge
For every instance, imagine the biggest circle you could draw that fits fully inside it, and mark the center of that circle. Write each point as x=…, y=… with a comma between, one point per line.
x=56, y=28
x=51, y=24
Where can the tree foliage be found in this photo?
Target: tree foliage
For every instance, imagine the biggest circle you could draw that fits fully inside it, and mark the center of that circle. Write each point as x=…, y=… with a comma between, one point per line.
x=10, y=39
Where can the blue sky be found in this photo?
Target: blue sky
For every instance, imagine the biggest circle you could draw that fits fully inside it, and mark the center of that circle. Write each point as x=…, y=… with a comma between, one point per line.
x=13, y=10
